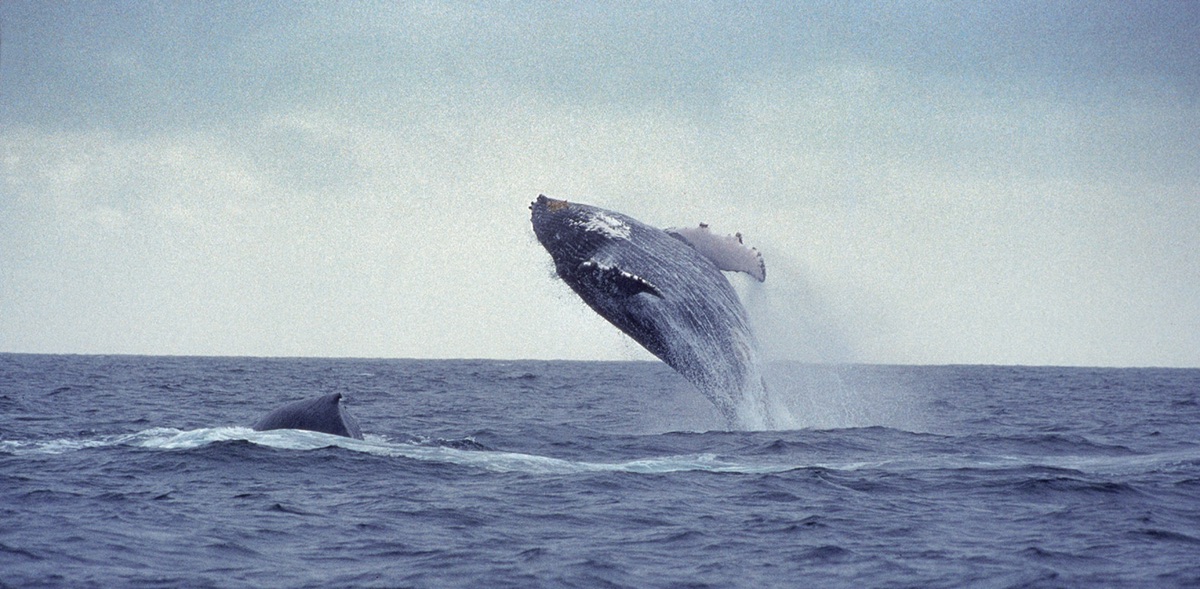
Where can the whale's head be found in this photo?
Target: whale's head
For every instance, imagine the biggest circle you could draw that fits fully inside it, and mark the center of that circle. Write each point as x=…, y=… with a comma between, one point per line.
x=574, y=232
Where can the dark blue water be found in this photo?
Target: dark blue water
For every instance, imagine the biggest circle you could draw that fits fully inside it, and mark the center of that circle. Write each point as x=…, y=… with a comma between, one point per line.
x=139, y=472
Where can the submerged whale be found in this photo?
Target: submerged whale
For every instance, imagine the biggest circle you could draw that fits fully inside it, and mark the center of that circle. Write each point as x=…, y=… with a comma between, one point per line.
x=665, y=289
x=320, y=414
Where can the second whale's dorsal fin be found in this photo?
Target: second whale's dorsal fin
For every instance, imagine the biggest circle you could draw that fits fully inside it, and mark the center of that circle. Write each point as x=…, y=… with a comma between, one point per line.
x=617, y=280
x=726, y=251
x=323, y=414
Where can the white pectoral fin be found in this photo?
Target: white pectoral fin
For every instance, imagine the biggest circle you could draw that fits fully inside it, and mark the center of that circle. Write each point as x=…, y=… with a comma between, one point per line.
x=617, y=280
x=727, y=252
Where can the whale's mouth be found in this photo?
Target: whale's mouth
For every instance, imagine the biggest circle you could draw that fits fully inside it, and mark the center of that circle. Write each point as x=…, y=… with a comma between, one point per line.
x=548, y=216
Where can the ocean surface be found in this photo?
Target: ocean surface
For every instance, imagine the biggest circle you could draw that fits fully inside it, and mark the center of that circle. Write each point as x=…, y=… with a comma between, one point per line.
x=131, y=471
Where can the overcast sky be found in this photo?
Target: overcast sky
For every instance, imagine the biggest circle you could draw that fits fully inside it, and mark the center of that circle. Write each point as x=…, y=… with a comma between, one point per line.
x=993, y=182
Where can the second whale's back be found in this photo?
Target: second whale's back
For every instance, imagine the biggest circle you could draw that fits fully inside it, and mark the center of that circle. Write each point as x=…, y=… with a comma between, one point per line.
x=321, y=414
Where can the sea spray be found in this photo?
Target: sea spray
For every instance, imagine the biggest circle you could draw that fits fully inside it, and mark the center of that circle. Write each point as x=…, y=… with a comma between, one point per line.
x=805, y=348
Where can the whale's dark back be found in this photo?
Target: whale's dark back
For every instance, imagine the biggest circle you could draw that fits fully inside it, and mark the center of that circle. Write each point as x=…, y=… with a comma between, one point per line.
x=321, y=414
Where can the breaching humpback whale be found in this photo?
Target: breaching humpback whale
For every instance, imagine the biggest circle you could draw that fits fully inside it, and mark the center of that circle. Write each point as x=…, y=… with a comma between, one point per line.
x=320, y=414
x=665, y=289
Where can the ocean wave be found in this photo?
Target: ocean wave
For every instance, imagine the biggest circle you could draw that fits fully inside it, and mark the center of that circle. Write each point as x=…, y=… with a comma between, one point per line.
x=460, y=452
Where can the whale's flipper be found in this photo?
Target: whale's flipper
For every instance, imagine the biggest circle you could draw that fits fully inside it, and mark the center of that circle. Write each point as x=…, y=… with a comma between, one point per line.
x=321, y=414
x=616, y=280
x=726, y=251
